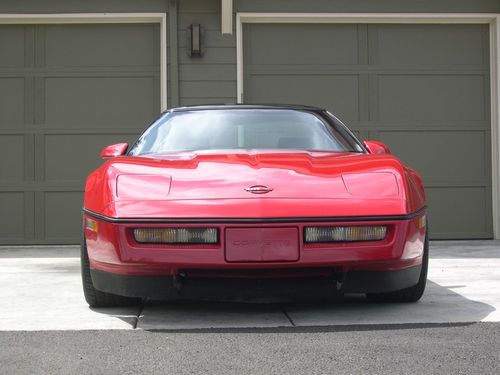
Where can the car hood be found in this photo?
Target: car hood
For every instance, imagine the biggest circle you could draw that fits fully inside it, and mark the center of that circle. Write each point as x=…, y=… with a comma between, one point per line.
x=194, y=182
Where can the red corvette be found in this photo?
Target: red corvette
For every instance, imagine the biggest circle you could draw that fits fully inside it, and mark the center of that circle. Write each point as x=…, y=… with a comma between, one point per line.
x=242, y=201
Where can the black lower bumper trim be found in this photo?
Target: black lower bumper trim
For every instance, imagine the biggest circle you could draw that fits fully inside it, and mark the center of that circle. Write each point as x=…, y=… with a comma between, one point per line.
x=380, y=281
x=255, y=290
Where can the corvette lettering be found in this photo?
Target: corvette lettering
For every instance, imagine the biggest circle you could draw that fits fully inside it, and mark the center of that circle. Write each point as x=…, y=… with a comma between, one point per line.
x=261, y=243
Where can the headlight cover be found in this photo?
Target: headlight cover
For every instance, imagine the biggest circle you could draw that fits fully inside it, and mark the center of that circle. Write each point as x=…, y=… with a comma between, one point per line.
x=177, y=235
x=344, y=234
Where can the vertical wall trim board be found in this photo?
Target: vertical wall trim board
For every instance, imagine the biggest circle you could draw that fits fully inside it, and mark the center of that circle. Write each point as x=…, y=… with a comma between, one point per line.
x=173, y=11
x=239, y=59
x=495, y=122
x=163, y=63
x=226, y=26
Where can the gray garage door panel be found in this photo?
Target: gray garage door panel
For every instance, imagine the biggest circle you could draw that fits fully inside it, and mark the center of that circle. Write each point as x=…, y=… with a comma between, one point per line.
x=12, y=51
x=312, y=44
x=12, y=158
x=77, y=47
x=12, y=220
x=12, y=103
x=428, y=45
x=422, y=89
x=431, y=97
x=57, y=224
x=466, y=210
x=290, y=89
x=100, y=102
x=66, y=91
x=455, y=164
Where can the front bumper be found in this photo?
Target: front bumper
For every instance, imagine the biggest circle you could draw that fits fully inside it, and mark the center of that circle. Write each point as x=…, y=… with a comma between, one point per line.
x=122, y=266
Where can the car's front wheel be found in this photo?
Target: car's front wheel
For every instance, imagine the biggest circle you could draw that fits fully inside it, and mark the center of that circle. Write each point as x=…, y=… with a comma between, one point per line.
x=94, y=297
x=413, y=293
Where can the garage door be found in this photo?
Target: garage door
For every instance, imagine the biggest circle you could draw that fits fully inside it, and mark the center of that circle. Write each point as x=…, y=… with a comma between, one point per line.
x=65, y=92
x=422, y=89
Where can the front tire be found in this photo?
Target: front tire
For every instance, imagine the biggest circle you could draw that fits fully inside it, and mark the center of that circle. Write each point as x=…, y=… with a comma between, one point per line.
x=94, y=297
x=413, y=293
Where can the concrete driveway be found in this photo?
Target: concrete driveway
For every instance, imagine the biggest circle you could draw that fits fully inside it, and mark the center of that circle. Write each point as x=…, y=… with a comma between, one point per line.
x=40, y=289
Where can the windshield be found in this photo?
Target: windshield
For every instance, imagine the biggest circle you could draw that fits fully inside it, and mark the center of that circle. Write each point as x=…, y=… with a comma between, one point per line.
x=242, y=129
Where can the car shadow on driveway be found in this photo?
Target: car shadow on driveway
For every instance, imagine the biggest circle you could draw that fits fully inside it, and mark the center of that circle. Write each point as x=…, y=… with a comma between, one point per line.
x=440, y=306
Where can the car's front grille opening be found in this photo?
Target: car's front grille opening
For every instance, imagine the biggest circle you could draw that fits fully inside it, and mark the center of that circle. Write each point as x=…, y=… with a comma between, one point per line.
x=259, y=273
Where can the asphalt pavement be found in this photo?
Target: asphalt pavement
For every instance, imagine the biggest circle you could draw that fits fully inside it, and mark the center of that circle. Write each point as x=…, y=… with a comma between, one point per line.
x=460, y=349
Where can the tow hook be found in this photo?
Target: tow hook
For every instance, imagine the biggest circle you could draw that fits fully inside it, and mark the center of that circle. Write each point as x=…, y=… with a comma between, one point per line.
x=339, y=278
x=177, y=280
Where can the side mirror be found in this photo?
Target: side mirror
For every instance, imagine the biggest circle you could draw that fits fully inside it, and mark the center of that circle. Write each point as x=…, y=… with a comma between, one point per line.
x=111, y=151
x=376, y=148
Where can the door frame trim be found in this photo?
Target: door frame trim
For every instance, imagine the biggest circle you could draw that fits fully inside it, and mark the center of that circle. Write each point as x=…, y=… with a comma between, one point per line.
x=491, y=19
x=103, y=18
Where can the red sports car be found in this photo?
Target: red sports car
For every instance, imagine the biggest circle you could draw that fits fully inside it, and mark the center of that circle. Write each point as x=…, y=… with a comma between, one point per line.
x=246, y=201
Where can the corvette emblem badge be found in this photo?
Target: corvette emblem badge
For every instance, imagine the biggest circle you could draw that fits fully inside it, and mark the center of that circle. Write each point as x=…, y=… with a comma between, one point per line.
x=258, y=189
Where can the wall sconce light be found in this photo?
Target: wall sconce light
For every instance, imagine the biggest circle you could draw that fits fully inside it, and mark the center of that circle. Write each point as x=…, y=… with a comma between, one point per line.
x=195, y=40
